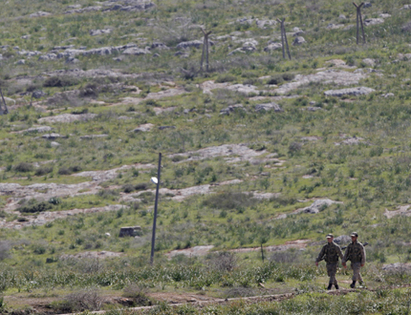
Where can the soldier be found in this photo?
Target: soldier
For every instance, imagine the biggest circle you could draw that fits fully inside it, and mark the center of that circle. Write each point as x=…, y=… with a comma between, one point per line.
x=356, y=253
x=330, y=253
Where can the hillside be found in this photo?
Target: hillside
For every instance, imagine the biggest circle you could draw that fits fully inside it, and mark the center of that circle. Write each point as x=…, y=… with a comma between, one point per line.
x=259, y=152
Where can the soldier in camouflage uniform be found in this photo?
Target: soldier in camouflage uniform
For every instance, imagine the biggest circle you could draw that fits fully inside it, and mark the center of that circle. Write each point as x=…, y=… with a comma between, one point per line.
x=330, y=252
x=356, y=253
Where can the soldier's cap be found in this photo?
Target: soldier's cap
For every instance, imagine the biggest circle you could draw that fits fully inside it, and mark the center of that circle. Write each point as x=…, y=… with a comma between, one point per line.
x=330, y=236
x=354, y=234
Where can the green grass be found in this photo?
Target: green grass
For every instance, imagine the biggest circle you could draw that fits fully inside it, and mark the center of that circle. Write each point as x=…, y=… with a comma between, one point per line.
x=367, y=178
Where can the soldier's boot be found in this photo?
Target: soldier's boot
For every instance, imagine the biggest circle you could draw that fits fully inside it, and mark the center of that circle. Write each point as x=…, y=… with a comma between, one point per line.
x=337, y=287
x=352, y=285
x=329, y=287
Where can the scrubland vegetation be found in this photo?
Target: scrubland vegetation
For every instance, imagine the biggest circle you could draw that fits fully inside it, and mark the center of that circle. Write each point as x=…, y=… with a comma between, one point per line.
x=353, y=150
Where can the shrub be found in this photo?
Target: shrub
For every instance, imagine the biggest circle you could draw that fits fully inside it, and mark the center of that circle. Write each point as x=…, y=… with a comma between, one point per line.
x=137, y=294
x=36, y=207
x=288, y=76
x=277, y=79
x=43, y=170
x=222, y=261
x=64, y=171
x=90, y=90
x=108, y=193
x=80, y=301
x=4, y=250
x=225, y=78
x=230, y=200
x=23, y=167
x=128, y=188
x=140, y=186
x=60, y=81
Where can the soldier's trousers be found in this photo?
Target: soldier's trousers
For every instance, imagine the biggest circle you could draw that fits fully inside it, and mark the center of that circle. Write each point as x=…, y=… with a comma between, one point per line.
x=332, y=270
x=356, y=268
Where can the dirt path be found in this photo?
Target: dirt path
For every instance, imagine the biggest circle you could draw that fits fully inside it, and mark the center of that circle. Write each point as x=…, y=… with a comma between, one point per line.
x=199, y=301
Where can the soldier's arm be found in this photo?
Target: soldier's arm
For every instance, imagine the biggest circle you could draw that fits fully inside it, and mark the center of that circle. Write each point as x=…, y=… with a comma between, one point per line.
x=362, y=255
x=320, y=255
x=346, y=255
x=339, y=252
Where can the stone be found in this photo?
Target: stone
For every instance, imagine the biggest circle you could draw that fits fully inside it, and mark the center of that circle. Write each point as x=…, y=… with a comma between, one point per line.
x=388, y=95
x=67, y=118
x=52, y=136
x=332, y=26
x=273, y=46
x=262, y=24
x=299, y=40
x=89, y=137
x=38, y=94
x=130, y=231
x=230, y=109
x=143, y=128
x=376, y=21
x=41, y=129
x=25, y=37
x=46, y=57
x=54, y=144
x=63, y=47
x=385, y=15
x=267, y=107
x=189, y=44
x=342, y=17
x=21, y=62
x=369, y=62
x=86, y=9
x=331, y=76
x=39, y=14
x=406, y=7
x=342, y=239
x=100, y=32
x=367, y=5
x=318, y=205
x=312, y=109
x=160, y=46
x=72, y=60
x=136, y=51
x=166, y=127
x=406, y=28
x=350, y=91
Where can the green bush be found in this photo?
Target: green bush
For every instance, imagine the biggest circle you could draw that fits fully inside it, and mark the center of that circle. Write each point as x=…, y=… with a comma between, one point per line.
x=277, y=79
x=23, y=167
x=225, y=78
x=60, y=82
x=36, y=207
x=230, y=201
x=43, y=170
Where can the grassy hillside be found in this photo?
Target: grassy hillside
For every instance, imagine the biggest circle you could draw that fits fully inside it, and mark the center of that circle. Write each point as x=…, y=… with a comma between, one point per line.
x=96, y=90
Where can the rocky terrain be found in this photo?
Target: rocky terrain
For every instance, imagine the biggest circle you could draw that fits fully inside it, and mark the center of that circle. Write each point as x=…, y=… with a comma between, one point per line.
x=264, y=152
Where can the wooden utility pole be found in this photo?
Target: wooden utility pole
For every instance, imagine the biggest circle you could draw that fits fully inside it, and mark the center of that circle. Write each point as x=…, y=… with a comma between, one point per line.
x=359, y=21
x=205, y=50
x=5, y=110
x=284, y=41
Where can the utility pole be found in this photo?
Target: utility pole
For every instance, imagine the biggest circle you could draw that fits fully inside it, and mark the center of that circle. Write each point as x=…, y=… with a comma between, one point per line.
x=284, y=41
x=5, y=110
x=359, y=21
x=156, y=181
x=205, y=50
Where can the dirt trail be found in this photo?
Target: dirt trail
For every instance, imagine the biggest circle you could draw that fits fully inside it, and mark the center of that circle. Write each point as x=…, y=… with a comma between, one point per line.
x=194, y=301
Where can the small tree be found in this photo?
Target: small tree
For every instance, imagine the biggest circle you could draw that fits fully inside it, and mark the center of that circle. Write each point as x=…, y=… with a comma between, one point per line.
x=359, y=21
x=205, y=50
x=284, y=38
